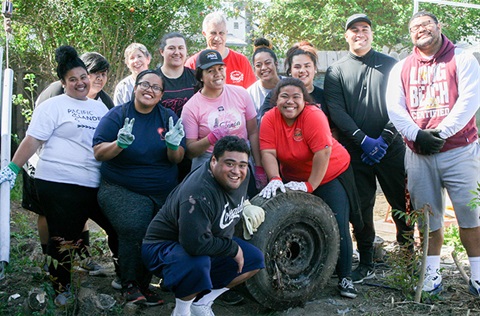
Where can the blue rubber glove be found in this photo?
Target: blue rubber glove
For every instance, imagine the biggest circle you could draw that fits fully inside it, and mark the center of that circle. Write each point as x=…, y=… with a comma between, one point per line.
x=374, y=148
x=125, y=137
x=175, y=134
x=9, y=173
x=367, y=160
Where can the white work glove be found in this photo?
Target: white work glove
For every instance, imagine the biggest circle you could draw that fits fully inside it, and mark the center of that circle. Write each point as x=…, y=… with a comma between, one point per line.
x=175, y=134
x=125, y=137
x=299, y=186
x=9, y=173
x=253, y=217
x=272, y=187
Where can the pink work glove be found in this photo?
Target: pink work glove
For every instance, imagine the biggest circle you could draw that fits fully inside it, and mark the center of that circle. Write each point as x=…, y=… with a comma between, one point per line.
x=217, y=133
x=260, y=177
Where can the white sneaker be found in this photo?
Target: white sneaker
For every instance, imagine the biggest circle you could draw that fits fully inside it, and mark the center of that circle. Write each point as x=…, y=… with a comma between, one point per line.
x=174, y=313
x=202, y=310
x=433, y=282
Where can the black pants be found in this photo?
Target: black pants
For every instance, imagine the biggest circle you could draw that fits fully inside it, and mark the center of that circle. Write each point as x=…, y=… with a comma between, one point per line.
x=67, y=207
x=390, y=173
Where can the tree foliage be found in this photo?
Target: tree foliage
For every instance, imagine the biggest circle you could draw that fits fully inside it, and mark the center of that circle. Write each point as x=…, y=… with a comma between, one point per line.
x=322, y=22
x=105, y=26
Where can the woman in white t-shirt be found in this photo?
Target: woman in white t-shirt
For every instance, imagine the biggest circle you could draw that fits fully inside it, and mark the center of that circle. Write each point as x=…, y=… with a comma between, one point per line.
x=217, y=110
x=265, y=65
x=67, y=175
x=137, y=59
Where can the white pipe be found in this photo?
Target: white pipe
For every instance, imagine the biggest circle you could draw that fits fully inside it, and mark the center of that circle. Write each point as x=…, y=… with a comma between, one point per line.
x=5, y=159
x=451, y=3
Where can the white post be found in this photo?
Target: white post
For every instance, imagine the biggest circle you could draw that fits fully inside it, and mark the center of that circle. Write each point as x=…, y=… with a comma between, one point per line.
x=5, y=159
x=415, y=6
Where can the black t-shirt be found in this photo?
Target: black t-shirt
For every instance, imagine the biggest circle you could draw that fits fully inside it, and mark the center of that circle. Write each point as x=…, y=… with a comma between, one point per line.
x=177, y=91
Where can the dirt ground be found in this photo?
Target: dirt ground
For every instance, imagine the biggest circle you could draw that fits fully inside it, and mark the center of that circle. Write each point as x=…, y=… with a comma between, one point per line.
x=95, y=292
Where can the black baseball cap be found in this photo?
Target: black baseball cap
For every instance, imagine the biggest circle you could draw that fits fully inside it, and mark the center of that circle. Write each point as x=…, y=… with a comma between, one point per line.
x=208, y=58
x=359, y=17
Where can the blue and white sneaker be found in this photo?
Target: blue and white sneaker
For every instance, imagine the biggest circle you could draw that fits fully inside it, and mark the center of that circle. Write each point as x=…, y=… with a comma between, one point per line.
x=433, y=283
x=474, y=287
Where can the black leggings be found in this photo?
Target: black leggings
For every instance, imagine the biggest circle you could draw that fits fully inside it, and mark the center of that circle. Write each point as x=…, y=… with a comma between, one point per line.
x=67, y=207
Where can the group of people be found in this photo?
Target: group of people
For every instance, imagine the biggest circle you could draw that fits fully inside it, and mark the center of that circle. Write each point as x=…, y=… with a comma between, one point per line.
x=169, y=170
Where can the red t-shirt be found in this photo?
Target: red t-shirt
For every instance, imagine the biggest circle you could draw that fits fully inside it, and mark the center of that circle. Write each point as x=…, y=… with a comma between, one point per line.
x=296, y=144
x=238, y=68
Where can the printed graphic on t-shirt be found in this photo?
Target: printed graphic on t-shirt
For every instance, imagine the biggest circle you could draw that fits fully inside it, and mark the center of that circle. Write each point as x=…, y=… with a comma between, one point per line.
x=297, y=135
x=236, y=76
x=83, y=117
x=175, y=104
x=428, y=92
x=228, y=118
x=229, y=215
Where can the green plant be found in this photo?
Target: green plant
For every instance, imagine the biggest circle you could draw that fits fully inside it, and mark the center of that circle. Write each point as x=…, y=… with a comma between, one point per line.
x=452, y=238
x=404, y=260
x=27, y=104
x=476, y=199
x=16, y=192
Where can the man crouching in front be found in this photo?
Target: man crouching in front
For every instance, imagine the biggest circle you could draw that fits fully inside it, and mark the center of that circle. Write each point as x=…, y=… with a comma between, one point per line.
x=190, y=241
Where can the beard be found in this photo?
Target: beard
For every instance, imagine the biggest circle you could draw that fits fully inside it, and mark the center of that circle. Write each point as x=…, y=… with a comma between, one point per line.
x=432, y=40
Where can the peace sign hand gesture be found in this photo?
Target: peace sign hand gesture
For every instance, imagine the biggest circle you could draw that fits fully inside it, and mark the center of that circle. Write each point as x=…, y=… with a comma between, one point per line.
x=175, y=134
x=125, y=137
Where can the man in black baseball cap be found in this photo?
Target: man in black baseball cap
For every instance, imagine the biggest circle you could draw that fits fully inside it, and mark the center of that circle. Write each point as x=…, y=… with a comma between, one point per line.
x=355, y=89
x=359, y=17
x=208, y=58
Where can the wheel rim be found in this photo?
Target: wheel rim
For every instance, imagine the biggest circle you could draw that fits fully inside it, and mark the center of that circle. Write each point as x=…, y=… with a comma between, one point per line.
x=289, y=259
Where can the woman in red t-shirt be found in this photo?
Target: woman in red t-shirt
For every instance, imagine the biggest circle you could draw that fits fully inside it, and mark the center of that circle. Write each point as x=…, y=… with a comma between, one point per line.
x=297, y=147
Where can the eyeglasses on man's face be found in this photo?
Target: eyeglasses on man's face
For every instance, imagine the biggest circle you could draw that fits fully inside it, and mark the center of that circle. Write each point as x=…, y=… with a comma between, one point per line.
x=146, y=85
x=415, y=28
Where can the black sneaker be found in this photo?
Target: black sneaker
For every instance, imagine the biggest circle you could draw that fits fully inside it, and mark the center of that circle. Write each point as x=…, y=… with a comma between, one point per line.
x=133, y=295
x=363, y=272
x=231, y=298
x=346, y=288
x=153, y=299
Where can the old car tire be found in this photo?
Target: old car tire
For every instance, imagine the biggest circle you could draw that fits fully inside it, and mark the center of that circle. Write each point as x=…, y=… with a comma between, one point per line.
x=300, y=241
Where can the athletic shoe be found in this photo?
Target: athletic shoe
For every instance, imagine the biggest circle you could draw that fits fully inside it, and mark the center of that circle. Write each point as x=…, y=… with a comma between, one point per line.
x=346, y=288
x=202, y=310
x=363, y=272
x=90, y=266
x=133, y=295
x=153, y=299
x=474, y=287
x=117, y=283
x=230, y=297
x=63, y=299
x=433, y=283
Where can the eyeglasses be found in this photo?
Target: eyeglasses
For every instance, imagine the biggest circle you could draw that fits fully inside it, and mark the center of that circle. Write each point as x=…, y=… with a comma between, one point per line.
x=145, y=86
x=416, y=27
